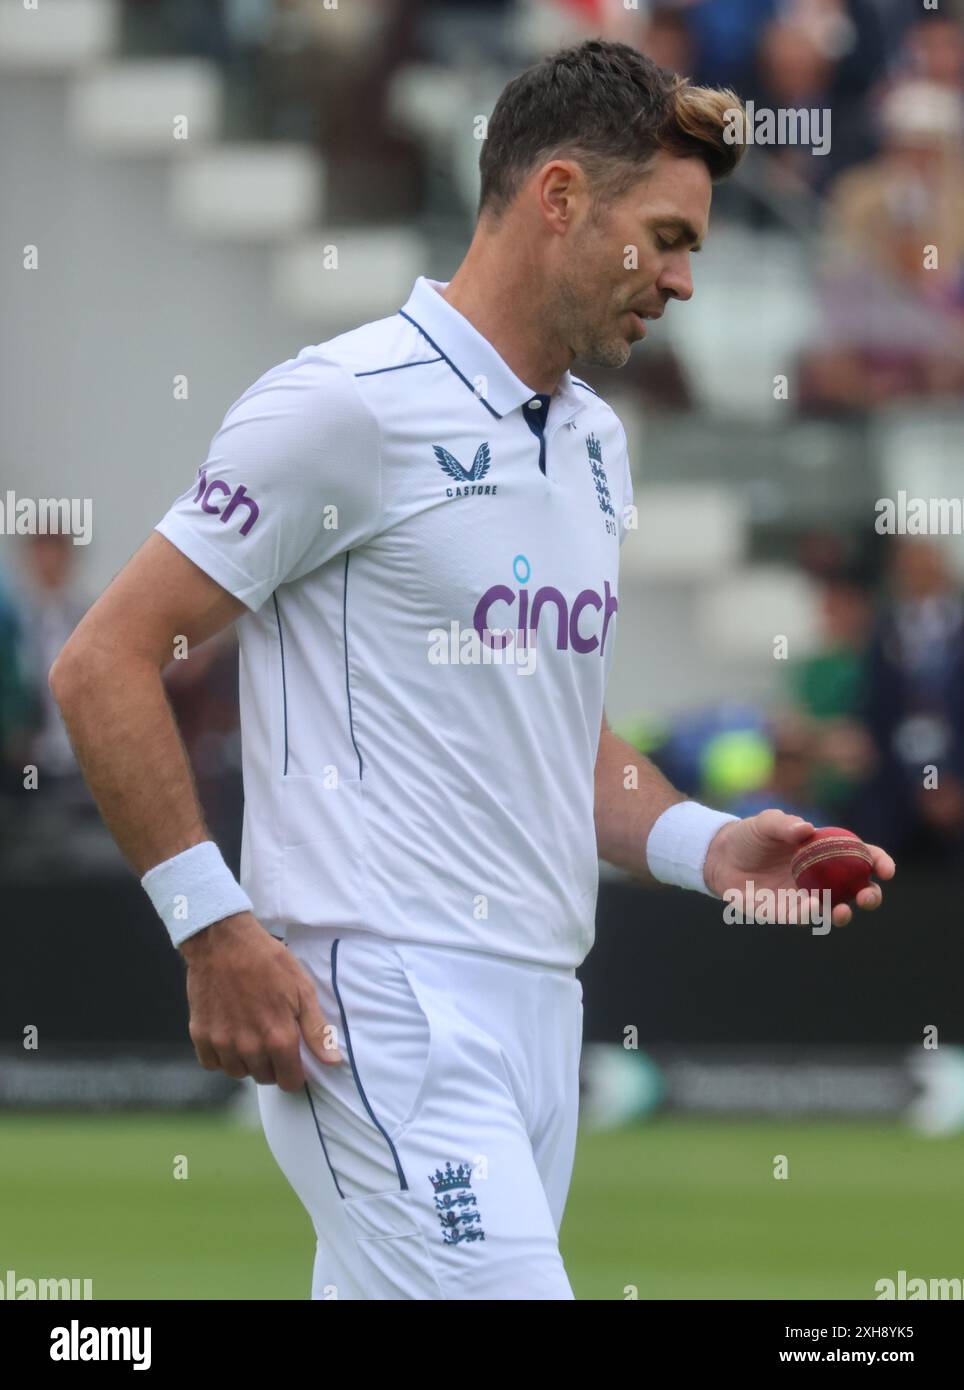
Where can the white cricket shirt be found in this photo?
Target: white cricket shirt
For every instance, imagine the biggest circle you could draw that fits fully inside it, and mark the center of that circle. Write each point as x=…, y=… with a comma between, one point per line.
x=429, y=553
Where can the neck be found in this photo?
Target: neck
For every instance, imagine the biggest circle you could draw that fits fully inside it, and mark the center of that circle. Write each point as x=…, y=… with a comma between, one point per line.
x=497, y=288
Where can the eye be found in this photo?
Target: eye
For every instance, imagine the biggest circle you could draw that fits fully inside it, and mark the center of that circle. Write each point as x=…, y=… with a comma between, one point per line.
x=664, y=243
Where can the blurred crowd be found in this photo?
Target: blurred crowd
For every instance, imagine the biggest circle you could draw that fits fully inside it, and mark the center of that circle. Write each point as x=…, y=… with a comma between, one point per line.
x=868, y=732
x=41, y=602
x=880, y=208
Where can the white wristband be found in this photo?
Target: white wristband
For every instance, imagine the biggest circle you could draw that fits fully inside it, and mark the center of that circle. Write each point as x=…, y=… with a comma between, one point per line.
x=194, y=889
x=678, y=843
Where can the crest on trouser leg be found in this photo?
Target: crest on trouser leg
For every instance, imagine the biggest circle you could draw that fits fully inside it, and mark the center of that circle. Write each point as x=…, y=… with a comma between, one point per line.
x=456, y=1205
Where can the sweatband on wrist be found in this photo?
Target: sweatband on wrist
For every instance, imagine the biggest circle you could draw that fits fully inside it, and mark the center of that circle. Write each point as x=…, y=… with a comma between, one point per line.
x=194, y=889
x=678, y=843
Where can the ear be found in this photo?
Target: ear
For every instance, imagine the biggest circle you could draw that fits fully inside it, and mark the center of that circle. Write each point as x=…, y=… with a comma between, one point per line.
x=562, y=189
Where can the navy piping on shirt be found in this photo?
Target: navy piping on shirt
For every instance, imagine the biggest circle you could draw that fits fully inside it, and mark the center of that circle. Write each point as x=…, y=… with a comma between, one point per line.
x=344, y=628
x=284, y=686
x=354, y=1070
x=400, y=366
x=451, y=364
x=324, y=1147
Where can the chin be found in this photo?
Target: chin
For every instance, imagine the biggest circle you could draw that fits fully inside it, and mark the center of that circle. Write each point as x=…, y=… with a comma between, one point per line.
x=614, y=353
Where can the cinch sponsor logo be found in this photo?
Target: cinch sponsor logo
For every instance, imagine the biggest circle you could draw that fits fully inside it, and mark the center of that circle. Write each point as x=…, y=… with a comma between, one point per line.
x=569, y=620
x=206, y=491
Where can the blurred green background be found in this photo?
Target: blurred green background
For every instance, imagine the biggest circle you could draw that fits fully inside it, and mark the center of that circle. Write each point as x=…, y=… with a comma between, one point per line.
x=677, y=1208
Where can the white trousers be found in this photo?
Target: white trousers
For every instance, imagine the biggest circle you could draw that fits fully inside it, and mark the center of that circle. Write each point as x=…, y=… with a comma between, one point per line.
x=435, y=1161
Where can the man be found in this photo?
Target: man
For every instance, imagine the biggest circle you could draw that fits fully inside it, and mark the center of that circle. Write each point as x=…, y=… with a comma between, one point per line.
x=418, y=525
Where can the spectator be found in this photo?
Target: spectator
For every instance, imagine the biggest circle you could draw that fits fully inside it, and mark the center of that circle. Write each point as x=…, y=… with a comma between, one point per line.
x=828, y=689
x=933, y=51
x=15, y=700
x=915, y=704
x=893, y=291
x=49, y=608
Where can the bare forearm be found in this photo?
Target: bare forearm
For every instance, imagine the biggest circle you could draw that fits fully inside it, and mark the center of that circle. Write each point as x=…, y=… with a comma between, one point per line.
x=126, y=740
x=631, y=794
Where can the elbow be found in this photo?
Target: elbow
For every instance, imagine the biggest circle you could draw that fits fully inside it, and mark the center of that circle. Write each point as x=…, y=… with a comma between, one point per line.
x=67, y=674
x=57, y=678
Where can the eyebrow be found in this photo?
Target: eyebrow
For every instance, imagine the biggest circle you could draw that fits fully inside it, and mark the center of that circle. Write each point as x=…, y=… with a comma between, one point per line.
x=683, y=228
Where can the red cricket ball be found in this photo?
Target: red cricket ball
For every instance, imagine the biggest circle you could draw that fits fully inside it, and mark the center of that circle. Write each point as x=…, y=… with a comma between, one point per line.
x=836, y=859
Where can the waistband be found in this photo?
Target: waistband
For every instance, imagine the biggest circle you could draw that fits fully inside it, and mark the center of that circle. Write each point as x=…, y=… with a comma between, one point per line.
x=331, y=934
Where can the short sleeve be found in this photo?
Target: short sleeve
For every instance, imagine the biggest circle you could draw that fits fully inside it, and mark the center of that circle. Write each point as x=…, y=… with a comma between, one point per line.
x=292, y=479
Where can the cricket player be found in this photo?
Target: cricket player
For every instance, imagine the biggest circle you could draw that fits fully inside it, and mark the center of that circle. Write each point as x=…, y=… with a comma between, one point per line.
x=416, y=526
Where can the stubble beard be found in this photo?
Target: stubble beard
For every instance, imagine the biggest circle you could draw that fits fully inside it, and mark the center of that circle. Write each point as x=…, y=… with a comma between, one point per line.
x=587, y=339
x=604, y=352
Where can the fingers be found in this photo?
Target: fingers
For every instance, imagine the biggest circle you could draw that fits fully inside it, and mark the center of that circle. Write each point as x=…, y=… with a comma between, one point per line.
x=870, y=898
x=777, y=825
x=320, y=1036
x=229, y=1058
x=272, y=1061
x=205, y=1053
x=257, y=1062
x=275, y=1059
x=250, y=1014
x=286, y=1056
x=884, y=866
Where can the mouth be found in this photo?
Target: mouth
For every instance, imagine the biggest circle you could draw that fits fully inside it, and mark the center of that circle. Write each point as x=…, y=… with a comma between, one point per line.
x=640, y=317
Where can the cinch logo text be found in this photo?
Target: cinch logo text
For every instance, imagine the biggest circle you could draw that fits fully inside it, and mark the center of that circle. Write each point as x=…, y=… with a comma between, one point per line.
x=239, y=498
x=569, y=622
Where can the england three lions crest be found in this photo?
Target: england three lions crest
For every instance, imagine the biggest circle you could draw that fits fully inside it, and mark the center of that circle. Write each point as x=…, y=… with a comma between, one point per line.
x=456, y=1205
x=594, y=450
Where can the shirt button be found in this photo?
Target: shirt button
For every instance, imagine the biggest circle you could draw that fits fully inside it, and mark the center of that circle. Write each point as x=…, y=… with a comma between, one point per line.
x=534, y=405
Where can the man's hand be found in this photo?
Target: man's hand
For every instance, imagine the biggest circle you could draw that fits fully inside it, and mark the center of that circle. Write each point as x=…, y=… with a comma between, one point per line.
x=251, y=1001
x=760, y=849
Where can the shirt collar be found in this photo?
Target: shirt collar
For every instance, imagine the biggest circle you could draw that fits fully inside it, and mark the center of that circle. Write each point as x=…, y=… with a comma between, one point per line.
x=474, y=359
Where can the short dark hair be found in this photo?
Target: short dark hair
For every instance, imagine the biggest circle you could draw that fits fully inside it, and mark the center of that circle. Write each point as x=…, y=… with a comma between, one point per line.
x=610, y=107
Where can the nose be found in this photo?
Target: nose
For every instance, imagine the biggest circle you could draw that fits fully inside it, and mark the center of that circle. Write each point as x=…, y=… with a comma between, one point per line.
x=676, y=281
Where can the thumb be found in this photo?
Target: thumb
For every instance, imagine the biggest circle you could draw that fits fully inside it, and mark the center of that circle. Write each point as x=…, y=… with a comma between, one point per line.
x=777, y=825
x=320, y=1037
